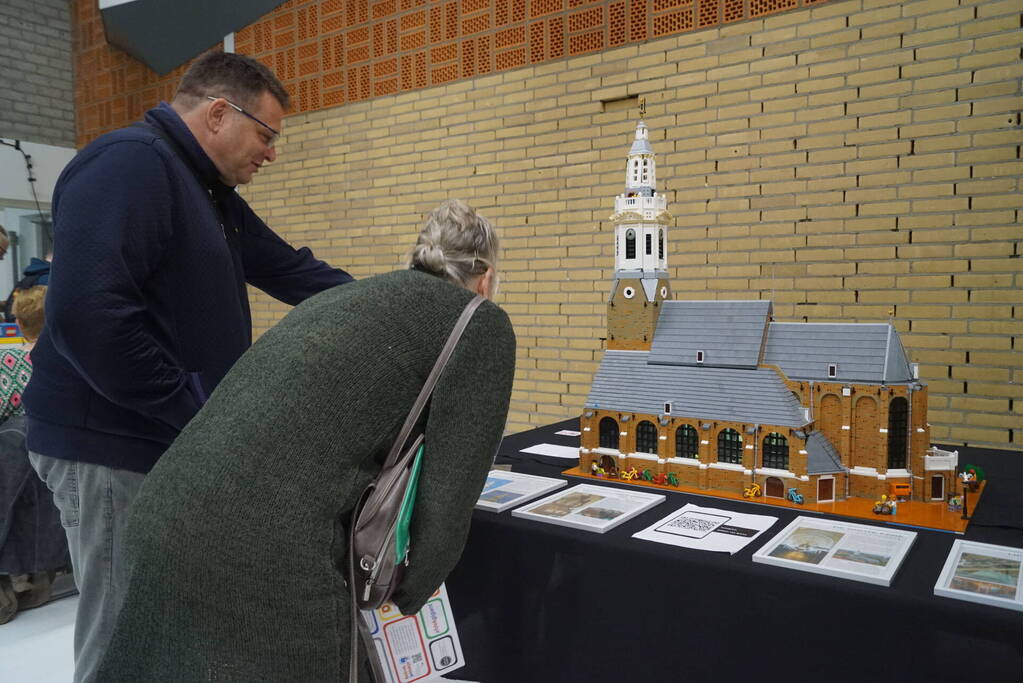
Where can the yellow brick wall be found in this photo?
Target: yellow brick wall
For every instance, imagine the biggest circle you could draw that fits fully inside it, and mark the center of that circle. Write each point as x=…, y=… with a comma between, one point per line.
x=843, y=160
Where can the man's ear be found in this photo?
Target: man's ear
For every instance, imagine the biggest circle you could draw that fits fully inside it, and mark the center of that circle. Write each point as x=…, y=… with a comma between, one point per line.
x=215, y=114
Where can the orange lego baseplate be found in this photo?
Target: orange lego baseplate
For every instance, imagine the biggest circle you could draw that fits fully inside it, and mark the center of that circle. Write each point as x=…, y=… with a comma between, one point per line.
x=928, y=515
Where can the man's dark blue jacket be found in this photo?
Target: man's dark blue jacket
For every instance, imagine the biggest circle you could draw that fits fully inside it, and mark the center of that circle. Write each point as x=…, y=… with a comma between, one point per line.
x=147, y=307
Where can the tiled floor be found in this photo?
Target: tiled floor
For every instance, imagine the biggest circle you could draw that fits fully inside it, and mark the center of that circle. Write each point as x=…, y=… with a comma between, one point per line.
x=36, y=647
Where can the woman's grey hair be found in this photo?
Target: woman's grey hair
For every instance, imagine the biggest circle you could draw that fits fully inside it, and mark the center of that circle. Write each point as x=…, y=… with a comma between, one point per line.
x=456, y=243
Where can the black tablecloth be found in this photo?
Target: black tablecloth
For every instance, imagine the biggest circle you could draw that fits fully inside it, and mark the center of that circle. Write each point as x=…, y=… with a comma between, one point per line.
x=538, y=602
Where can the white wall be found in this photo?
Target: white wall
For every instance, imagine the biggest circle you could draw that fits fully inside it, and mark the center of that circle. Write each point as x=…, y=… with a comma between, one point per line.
x=17, y=203
x=47, y=163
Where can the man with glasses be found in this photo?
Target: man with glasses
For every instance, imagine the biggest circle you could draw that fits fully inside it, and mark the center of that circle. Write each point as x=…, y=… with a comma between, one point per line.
x=147, y=307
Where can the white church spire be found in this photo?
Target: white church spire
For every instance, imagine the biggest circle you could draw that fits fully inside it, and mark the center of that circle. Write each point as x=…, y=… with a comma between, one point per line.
x=641, y=218
x=641, y=170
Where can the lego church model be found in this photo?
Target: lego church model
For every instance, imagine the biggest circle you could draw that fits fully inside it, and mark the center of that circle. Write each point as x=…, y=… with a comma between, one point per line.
x=716, y=396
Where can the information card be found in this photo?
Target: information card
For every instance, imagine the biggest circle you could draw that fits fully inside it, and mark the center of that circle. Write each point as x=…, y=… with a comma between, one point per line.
x=419, y=648
x=707, y=529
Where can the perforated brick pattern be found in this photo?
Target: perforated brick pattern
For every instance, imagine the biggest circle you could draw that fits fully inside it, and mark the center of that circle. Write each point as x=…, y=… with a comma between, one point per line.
x=638, y=19
x=758, y=8
x=708, y=14
x=673, y=22
x=616, y=28
x=735, y=10
x=536, y=42
x=556, y=27
x=331, y=52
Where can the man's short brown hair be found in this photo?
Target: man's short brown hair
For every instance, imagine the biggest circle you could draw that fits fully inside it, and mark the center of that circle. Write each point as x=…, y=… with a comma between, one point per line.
x=238, y=78
x=30, y=310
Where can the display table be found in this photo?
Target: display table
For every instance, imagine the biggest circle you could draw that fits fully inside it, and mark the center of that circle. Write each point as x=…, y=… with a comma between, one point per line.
x=536, y=602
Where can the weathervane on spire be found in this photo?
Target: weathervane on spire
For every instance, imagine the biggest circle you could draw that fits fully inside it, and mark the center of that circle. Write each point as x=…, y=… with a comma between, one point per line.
x=642, y=107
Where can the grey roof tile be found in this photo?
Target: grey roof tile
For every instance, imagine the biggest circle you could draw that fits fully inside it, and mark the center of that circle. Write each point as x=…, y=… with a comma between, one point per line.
x=625, y=381
x=821, y=455
x=863, y=352
x=730, y=333
x=897, y=368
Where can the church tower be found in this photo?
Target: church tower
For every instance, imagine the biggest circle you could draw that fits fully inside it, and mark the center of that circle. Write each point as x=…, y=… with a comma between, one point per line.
x=641, y=263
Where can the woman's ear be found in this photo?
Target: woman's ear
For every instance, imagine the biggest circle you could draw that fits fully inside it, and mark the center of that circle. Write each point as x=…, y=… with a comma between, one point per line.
x=485, y=284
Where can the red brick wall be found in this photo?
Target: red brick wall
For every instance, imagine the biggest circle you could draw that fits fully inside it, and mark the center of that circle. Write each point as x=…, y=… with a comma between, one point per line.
x=329, y=52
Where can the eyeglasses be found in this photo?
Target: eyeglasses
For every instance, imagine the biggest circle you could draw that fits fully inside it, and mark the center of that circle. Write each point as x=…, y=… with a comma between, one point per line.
x=274, y=133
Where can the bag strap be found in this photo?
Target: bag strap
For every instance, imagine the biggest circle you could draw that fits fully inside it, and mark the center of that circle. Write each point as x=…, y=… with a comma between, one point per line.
x=358, y=624
x=431, y=380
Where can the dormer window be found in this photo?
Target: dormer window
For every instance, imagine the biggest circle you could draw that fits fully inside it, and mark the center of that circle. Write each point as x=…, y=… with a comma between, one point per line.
x=699, y=356
x=832, y=370
x=667, y=409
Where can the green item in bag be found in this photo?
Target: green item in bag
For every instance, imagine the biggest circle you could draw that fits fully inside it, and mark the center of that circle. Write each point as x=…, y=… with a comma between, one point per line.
x=401, y=532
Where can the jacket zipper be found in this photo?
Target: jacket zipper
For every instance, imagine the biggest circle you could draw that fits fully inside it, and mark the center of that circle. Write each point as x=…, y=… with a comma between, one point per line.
x=220, y=216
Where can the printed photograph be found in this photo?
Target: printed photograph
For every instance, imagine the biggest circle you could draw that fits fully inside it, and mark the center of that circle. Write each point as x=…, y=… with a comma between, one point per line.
x=566, y=504
x=495, y=482
x=807, y=545
x=986, y=575
x=872, y=559
x=499, y=496
x=601, y=513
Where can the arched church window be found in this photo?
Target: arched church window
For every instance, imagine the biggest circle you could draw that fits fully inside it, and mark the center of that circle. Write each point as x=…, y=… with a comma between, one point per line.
x=776, y=451
x=646, y=437
x=608, y=433
x=660, y=243
x=898, y=415
x=729, y=446
x=630, y=243
x=686, y=442
x=649, y=243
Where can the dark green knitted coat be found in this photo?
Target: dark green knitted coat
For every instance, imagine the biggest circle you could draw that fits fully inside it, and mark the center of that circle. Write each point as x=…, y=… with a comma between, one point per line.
x=236, y=534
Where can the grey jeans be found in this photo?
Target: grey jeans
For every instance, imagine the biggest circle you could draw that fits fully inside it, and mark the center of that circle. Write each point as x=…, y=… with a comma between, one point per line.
x=94, y=502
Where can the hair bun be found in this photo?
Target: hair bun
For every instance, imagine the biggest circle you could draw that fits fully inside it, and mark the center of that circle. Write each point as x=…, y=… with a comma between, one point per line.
x=430, y=257
x=455, y=243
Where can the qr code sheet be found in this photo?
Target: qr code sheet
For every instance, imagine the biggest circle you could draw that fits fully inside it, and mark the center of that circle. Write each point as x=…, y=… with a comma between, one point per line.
x=686, y=523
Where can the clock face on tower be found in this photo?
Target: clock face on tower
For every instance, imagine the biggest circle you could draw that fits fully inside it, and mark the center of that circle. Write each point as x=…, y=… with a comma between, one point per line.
x=632, y=312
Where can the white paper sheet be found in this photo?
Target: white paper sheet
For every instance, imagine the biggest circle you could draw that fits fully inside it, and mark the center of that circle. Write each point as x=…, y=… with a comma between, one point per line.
x=567, y=432
x=508, y=489
x=553, y=450
x=418, y=648
x=850, y=551
x=983, y=573
x=707, y=529
x=588, y=507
